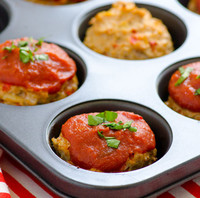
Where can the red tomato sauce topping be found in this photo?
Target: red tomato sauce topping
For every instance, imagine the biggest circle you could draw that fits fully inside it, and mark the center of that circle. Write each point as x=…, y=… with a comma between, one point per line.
x=39, y=75
x=88, y=150
x=198, y=5
x=184, y=94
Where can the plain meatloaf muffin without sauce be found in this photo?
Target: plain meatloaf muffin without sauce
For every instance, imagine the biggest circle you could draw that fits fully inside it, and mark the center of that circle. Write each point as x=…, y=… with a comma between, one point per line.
x=128, y=32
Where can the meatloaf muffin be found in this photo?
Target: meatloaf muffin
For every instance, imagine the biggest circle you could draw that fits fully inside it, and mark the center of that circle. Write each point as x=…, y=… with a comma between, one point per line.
x=128, y=32
x=106, y=142
x=56, y=2
x=34, y=72
x=184, y=91
x=194, y=5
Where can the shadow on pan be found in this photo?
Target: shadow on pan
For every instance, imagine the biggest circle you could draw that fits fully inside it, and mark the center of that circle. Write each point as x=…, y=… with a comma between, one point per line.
x=4, y=18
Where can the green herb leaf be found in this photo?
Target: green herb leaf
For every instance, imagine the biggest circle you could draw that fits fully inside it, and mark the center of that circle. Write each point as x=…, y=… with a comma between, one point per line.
x=113, y=143
x=100, y=134
x=43, y=57
x=22, y=43
x=184, y=74
x=197, y=92
x=198, y=77
x=40, y=41
x=132, y=129
x=127, y=124
x=101, y=115
x=10, y=48
x=94, y=120
x=113, y=125
x=110, y=116
x=25, y=55
x=109, y=138
x=36, y=49
x=25, y=48
x=181, y=70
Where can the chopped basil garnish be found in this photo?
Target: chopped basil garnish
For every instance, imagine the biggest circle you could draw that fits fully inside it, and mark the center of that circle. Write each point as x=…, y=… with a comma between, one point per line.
x=40, y=41
x=132, y=129
x=25, y=55
x=197, y=92
x=25, y=48
x=111, y=141
x=127, y=124
x=100, y=134
x=107, y=118
x=22, y=43
x=181, y=69
x=41, y=57
x=94, y=120
x=198, y=77
x=10, y=48
x=110, y=116
x=184, y=74
x=119, y=126
x=113, y=125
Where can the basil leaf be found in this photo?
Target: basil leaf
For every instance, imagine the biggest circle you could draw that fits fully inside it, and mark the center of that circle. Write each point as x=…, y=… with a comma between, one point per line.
x=102, y=115
x=36, y=49
x=43, y=57
x=113, y=125
x=110, y=116
x=24, y=56
x=198, y=77
x=113, y=143
x=197, y=92
x=22, y=43
x=109, y=138
x=127, y=124
x=100, y=134
x=40, y=41
x=94, y=120
x=132, y=129
x=10, y=48
x=184, y=74
x=181, y=70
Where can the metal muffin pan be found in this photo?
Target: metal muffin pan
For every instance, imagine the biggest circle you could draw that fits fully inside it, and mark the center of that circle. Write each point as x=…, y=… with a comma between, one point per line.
x=105, y=84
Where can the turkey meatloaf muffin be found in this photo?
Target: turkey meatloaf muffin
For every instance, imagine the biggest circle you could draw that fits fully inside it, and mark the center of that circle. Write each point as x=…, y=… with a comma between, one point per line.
x=184, y=90
x=56, y=2
x=194, y=5
x=128, y=32
x=106, y=142
x=34, y=72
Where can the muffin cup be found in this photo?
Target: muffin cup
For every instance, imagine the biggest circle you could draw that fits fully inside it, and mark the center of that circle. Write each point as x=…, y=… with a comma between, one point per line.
x=105, y=83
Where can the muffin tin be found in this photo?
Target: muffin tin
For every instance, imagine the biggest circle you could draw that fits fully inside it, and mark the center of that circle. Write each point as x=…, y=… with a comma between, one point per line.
x=105, y=84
